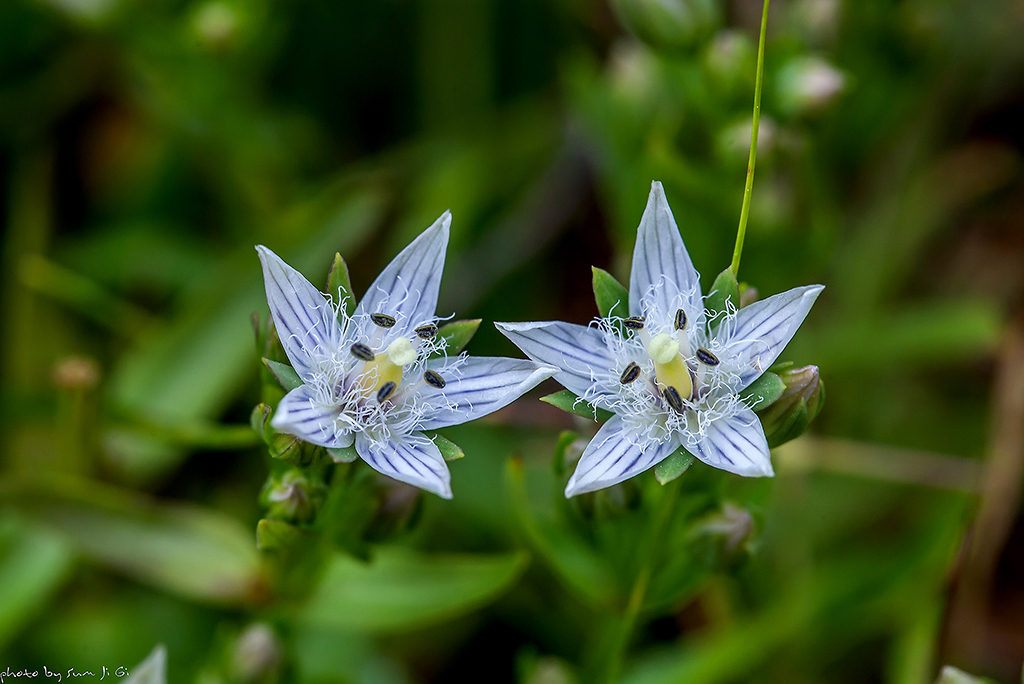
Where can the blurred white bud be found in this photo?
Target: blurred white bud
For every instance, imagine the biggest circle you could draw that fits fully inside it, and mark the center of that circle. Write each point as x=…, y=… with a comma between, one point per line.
x=730, y=59
x=256, y=653
x=733, y=142
x=808, y=84
x=216, y=24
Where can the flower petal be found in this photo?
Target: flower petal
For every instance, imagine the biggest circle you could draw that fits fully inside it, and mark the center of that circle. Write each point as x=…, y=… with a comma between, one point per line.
x=413, y=459
x=736, y=444
x=407, y=288
x=300, y=414
x=611, y=458
x=305, y=321
x=662, y=272
x=762, y=330
x=577, y=351
x=478, y=386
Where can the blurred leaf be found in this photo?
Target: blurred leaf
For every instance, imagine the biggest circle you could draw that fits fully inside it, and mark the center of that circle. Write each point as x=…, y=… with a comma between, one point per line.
x=673, y=466
x=272, y=535
x=152, y=670
x=195, y=552
x=401, y=590
x=285, y=374
x=339, y=287
x=449, y=449
x=33, y=564
x=570, y=403
x=578, y=565
x=610, y=294
x=458, y=334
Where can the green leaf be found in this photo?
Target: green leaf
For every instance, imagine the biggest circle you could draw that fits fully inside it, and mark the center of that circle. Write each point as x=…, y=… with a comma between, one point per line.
x=724, y=290
x=449, y=449
x=194, y=552
x=565, y=440
x=610, y=294
x=272, y=535
x=673, y=466
x=284, y=373
x=458, y=334
x=339, y=287
x=33, y=565
x=570, y=403
x=764, y=391
x=401, y=590
x=343, y=455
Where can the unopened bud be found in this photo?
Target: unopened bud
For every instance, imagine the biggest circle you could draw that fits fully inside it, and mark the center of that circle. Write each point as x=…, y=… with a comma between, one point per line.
x=76, y=373
x=216, y=24
x=788, y=417
x=730, y=60
x=292, y=496
x=399, y=509
x=748, y=295
x=808, y=84
x=256, y=654
x=733, y=526
x=672, y=24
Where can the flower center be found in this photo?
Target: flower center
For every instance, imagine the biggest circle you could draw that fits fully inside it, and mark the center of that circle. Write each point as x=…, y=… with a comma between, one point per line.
x=669, y=369
x=382, y=375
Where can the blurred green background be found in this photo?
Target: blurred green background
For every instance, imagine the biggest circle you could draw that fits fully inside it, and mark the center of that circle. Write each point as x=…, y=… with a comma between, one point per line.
x=147, y=145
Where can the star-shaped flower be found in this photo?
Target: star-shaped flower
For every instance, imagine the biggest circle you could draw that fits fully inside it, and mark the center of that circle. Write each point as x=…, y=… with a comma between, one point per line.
x=379, y=377
x=671, y=376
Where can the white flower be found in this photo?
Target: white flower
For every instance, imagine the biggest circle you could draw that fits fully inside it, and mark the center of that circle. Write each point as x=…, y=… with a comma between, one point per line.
x=369, y=378
x=670, y=381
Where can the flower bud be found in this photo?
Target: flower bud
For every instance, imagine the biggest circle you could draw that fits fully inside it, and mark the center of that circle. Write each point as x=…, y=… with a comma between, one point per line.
x=732, y=526
x=216, y=24
x=788, y=417
x=256, y=654
x=806, y=85
x=292, y=496
x=671, y=24
x=730, y=60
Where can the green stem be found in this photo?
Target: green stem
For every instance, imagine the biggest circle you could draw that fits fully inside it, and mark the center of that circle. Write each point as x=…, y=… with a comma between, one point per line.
x=741, y=232
x=649, y=555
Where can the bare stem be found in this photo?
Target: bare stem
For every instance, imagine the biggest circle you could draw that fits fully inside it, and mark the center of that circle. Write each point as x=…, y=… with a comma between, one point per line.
x=741, y=232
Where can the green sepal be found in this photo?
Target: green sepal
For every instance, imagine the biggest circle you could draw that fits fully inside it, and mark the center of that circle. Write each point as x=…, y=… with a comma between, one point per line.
x=449, y=449
x=272, y=535
x=570, y=403
x=343, y=454
x=724, y=290
x=764, y=391
x=673, y=466
x=610, y=294
x=339, y=287
x=457, y=335
x=284, y=373
x=565, y=440
x=259, y=419
x=285, y=447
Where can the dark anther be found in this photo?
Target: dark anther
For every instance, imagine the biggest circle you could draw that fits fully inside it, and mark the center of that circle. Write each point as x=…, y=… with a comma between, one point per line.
x=706, y=357
x=361, y=352
x=680, y=319
x=434, y=379
x=634, y=322
x=631, y=373
x=427, y=332
x=382, y=320
x=385, y=391
x=671, y=395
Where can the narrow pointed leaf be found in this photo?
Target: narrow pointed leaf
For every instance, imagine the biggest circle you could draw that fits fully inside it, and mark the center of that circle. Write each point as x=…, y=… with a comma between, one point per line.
x=764, y=391
x=339, y=288
x=673, y=466
x=611, y=295
x=272, y=535
x=458, y=334
x=284, y=373
x=449, y=449
x=343, y=454
x=724, y=290
x=570, y=403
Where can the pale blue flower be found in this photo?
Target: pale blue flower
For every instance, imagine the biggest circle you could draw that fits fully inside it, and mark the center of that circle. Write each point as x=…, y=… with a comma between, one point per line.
x=375, y=378
x=673, y=382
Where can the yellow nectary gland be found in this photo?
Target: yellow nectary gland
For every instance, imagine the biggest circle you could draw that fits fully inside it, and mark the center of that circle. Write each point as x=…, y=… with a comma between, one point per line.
x=387, y=367
x=668, y=364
